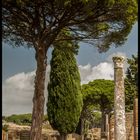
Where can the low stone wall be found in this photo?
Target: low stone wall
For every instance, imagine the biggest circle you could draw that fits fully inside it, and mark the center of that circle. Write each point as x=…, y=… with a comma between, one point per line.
x=47, y=135
x=17, y=132
x=94, y=134
x=24, y=135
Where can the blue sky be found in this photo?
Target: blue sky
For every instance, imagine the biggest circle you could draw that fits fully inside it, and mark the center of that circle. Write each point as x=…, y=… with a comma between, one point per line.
x=18, y=70
x=15, y=60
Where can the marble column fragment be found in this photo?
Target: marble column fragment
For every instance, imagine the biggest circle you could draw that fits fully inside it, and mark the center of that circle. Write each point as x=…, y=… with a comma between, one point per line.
x=119, y=99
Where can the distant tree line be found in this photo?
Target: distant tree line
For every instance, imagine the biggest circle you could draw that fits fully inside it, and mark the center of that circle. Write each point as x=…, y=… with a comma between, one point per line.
x=21, y=119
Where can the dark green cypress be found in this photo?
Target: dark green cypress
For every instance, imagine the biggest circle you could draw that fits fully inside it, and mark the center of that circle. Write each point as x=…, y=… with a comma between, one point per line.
x=64, y=91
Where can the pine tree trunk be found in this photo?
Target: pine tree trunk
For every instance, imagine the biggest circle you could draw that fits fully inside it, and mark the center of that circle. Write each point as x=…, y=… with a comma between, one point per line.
x=38, y=99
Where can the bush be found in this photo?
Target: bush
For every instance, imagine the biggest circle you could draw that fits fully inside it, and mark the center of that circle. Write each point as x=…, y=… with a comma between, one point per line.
x=5, y=127
x=22, y=119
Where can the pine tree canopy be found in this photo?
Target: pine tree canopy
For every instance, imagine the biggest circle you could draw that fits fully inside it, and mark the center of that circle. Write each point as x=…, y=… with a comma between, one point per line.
x=101, y=23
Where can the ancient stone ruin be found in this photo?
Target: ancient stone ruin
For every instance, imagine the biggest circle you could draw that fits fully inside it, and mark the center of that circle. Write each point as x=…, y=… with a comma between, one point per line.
x=119, y=125
x=119, y=99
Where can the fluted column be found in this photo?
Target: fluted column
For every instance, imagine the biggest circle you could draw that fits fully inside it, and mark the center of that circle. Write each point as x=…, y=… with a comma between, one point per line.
x=119, y=99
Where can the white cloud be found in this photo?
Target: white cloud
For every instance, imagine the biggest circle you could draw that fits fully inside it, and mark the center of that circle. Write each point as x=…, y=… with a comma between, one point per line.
x=102, y=71
x=18, y=92
x=21, y=81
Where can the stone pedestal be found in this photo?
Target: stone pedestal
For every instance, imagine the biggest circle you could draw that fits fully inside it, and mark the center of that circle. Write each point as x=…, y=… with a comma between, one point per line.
x=119, y=99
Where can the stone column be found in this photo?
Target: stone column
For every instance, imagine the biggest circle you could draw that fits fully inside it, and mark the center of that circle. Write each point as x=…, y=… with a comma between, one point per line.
x=119, y=99
x=107, y=126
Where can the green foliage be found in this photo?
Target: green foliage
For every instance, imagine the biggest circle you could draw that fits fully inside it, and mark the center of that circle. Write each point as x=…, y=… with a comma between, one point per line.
x=92, y=114
x=40, y=24
x=22, y=119
x=5, y=127
x=107, y=21
x=19, y=119
x=131, y=82
x=97, y=119
x=132, y=71
x=45, y=118
x=69, y=45
x=98, y=96
x=99, y=92
x=64, y=91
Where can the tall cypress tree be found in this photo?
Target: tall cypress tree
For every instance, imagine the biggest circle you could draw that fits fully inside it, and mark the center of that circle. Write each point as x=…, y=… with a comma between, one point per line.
x=64, y=91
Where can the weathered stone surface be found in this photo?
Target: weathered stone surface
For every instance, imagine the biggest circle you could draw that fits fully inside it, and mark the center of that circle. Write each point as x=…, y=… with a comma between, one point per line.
x=4, y=135
x=94, y=134
x=119, y=99
x=107, y=126
x=111, y=127
x=24, y=135
x=17, y=132
x=136, y=119
x=129, y=126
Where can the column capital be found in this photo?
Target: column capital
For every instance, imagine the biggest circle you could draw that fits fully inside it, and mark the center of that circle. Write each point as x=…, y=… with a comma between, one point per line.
x=118, y=61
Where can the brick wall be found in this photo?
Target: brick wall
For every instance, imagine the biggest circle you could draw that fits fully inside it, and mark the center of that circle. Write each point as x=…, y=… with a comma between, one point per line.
x=129, y=127
x=131, y=124
x=136, y=119
x=111, y=127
